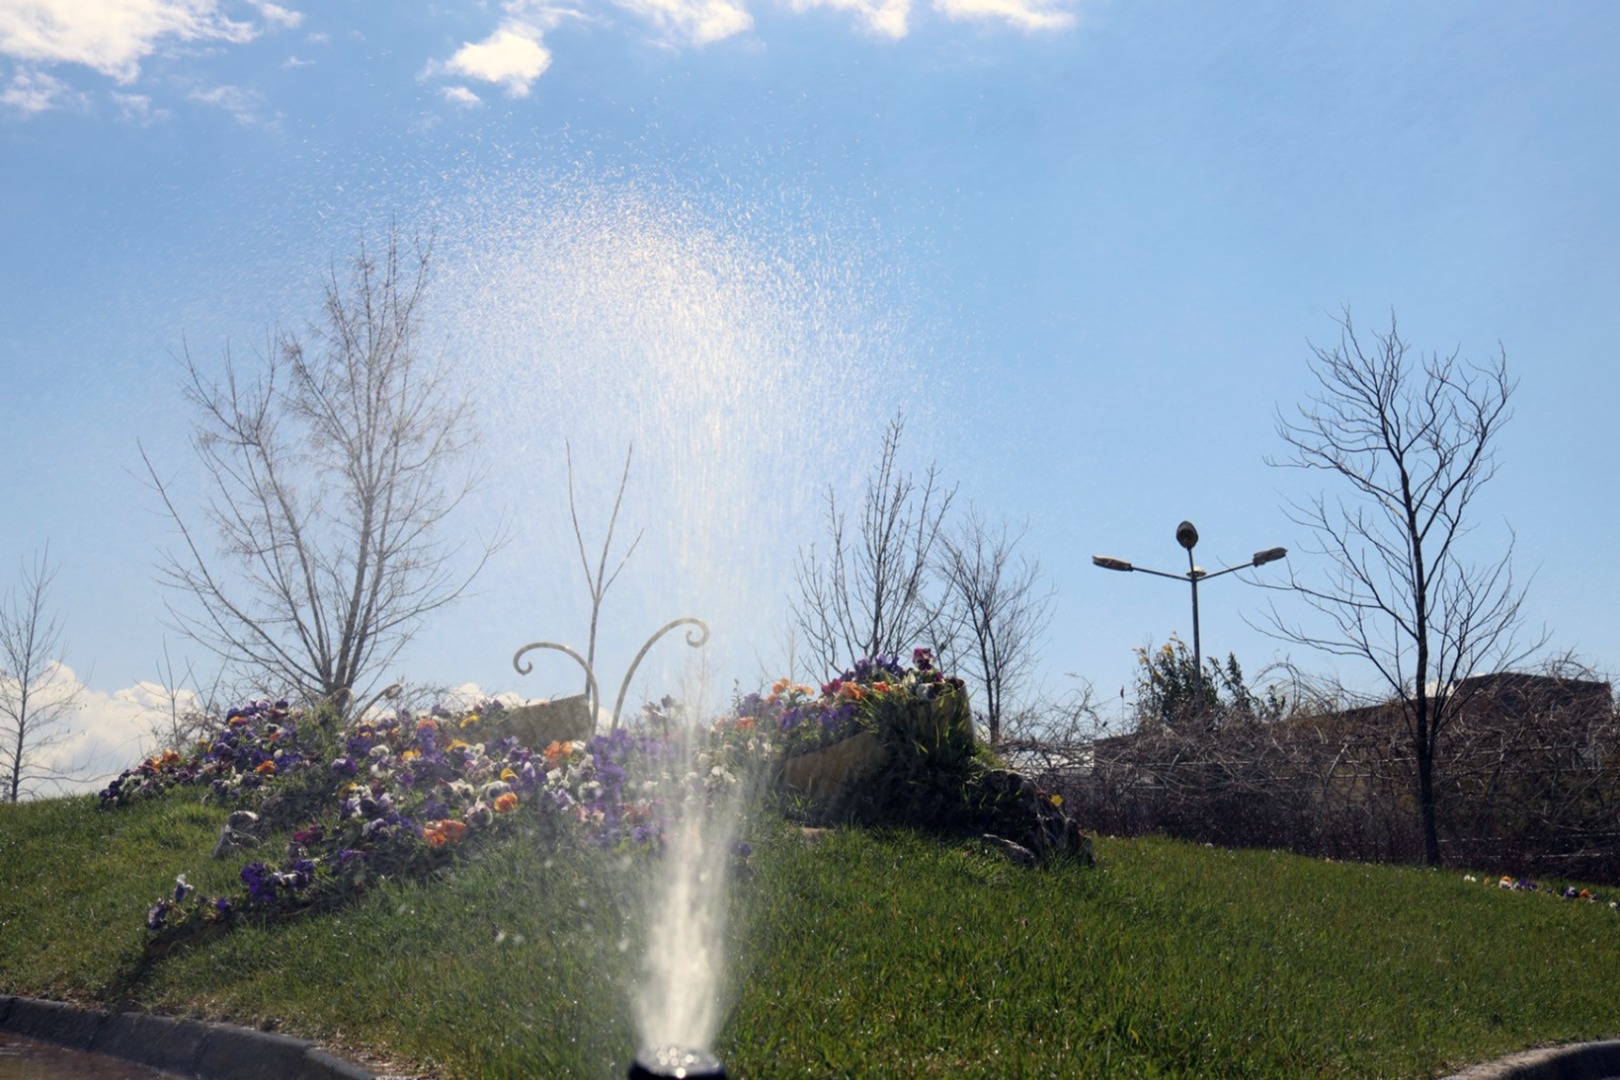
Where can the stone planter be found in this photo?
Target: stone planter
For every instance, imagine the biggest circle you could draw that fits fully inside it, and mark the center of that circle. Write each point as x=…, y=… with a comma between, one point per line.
x=539, y=725
x=828, y=776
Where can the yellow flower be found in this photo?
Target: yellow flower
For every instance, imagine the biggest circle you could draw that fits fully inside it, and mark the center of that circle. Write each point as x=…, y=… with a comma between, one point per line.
x=469, y=720
x=410, y=755
x=508, y=774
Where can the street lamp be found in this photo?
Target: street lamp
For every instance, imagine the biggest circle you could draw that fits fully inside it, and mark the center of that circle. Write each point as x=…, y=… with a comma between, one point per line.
x=1187, y=537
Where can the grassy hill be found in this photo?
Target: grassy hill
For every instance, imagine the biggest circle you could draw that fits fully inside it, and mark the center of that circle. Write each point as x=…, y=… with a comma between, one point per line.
x=859, y=953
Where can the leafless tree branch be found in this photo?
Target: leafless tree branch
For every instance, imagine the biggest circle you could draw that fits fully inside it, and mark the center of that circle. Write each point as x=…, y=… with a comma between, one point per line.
x=329, y=483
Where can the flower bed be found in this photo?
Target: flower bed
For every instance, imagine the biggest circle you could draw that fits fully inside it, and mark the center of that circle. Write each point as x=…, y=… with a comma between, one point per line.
x=403, y=796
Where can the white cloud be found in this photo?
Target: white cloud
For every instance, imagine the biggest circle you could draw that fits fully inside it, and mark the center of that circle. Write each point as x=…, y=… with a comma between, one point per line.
x=277, y=15
x=241, y=104
x=294, y=62
x=1027, y=15
x=512, y=56
x=107, y=733
x=318, y=38
x=886, y=18
x=110, y=36
x=697, y=22
x=137, y=109
x=34, y=92
x=461, y=96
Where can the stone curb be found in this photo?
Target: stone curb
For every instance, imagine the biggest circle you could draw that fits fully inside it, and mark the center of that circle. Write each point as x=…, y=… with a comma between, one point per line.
x=192, y=1047
x=1581, y=1061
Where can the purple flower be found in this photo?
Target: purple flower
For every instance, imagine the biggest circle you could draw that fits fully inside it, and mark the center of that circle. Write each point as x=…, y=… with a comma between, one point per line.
x=301, y=874
x=158, y=916
x=260, y=882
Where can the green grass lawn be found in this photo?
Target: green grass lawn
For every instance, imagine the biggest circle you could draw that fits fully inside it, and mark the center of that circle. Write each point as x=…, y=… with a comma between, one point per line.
x=859, y=954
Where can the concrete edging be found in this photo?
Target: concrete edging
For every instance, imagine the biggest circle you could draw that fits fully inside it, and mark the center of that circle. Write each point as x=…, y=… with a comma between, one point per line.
x=1578, y=1061
x=193, y=1047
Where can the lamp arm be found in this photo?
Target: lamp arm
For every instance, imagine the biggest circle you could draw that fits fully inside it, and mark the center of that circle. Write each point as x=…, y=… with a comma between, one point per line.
x=1228, y=570
x=1159, y=573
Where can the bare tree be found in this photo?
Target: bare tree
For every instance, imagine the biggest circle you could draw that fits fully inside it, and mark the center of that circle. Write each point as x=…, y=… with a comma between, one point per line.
x=332, y=474
x=870, y=594
x=599, y=581
x=1413, y=441
x=185, y=715
x=1001, y=606
x=35, y=702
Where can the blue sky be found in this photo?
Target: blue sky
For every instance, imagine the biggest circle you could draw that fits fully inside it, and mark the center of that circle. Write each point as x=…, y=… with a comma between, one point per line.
x=1085, y=246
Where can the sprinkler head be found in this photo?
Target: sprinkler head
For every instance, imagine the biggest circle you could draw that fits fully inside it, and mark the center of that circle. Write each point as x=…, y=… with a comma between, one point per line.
x=666, y=1062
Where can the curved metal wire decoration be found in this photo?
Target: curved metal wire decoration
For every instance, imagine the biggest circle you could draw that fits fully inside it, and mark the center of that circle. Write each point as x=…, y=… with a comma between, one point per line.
x=524, y=668
x=695, y=639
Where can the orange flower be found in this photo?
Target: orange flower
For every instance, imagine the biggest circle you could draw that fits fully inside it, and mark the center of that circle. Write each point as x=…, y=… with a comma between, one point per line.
x=853, y=691
x=556, y=752
x=505, y=801
x=427, y=723
x=433, y=837
x=745, y=723
x=238, y=721
x=170, y=757
x=268, y=768
x=880, y=687
x=452, y=829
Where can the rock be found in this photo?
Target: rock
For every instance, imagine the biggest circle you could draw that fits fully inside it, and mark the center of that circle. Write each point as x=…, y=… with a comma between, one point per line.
x=1017, y=854
x=237, y=833
x=1019, y=810
x=827, y=776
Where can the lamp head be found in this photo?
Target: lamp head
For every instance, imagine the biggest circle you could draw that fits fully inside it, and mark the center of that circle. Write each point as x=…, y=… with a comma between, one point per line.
x=1270, y=555
x=1108, y=562
x=1186, y=535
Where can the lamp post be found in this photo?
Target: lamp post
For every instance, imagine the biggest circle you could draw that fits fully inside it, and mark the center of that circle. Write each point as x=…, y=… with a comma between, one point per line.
x=1187, y=537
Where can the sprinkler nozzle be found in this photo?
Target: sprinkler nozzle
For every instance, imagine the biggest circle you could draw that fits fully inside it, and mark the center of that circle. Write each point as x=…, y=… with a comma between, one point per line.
x=676, y=1063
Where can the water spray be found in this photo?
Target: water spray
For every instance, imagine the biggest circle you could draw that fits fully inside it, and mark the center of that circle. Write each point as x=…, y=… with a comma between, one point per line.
x=678, y=995
x=664, y=1062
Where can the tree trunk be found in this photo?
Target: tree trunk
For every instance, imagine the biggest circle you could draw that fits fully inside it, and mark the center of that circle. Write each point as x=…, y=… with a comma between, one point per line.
x=1426, y=807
